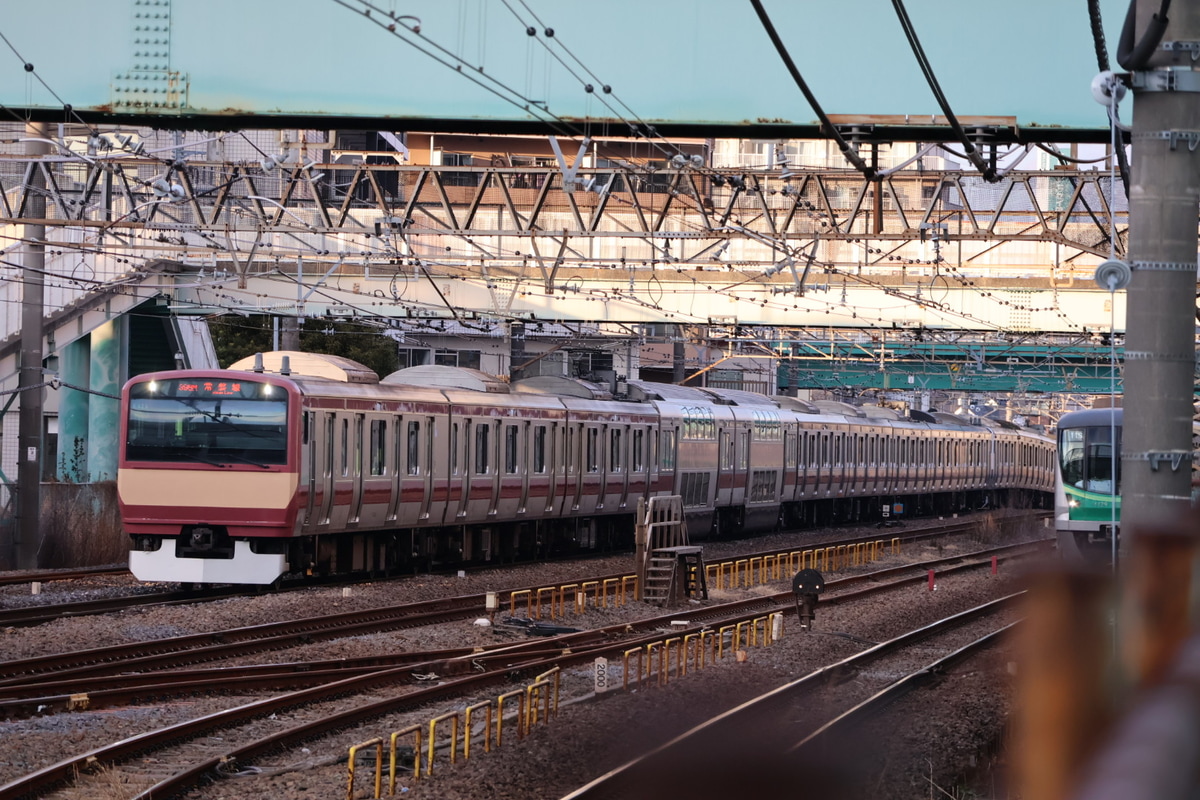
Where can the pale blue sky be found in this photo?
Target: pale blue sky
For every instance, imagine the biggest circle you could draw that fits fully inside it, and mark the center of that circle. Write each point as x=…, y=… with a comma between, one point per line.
x=688, y=60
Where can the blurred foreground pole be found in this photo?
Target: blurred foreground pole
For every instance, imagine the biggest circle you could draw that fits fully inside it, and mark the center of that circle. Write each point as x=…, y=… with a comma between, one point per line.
x=1065, y=708
x=1160, y=356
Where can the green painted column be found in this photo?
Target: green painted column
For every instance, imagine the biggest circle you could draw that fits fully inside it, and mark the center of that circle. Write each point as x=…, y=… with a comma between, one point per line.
x=103, y=412
x=74, y=367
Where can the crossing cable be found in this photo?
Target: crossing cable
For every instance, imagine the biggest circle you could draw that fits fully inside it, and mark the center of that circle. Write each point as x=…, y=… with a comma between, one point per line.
x=988, y=171
x=847, y=149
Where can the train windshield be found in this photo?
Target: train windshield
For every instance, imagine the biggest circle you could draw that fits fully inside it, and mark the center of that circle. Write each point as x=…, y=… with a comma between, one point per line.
x=1086, y=458
x=208, y=422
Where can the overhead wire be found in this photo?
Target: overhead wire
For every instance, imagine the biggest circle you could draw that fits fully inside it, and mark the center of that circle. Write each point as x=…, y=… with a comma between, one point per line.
x=850, y=153
x=988, y=171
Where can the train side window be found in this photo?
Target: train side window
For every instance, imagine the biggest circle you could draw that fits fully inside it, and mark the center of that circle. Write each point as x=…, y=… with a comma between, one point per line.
x=378, y=446
x=539, y=449
x=414, y=447
x=482, y=432
x=636, y=455
x=454, y=449
x=615, y=462
x=510, y=449
x=307, y=422
x=593, y=450
x=668, y=450
x=743, y=455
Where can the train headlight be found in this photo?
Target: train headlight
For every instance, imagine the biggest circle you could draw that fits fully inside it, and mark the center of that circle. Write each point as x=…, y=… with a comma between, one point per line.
x=152, y=387
x=267, y=389
x=1072, y=503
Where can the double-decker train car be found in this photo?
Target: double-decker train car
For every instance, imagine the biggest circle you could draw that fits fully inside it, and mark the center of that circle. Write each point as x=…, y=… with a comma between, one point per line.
x=1087, y=500
x=243, y=475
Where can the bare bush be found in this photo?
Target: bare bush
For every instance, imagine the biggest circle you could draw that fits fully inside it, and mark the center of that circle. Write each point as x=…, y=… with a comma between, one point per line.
x=81, y=525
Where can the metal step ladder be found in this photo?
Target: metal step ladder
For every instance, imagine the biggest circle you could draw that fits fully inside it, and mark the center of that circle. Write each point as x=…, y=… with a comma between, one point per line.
x=669, y=568
x=674, y=574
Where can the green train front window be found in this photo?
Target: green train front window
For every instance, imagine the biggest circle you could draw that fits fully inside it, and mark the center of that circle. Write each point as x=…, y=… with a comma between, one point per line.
x=207, y=421
x=1086, y=458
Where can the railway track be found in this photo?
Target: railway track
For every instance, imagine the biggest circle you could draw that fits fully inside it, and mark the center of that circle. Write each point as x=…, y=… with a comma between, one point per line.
x=18, y=677
x=42, y=613
x=490, y=668
x=778, y=734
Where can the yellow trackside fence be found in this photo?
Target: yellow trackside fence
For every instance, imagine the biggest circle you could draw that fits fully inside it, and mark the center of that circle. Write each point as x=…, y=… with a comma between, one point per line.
x=554, y=601
x=652, y=663
x=376, y=743
x=537, y=702
x=758, y=570
x=655, y=663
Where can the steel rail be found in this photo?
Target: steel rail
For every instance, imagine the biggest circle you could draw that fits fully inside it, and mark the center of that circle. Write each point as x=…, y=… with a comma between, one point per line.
x=618, y=782
x=896, y=690
x=569, y=654
x=49, y=612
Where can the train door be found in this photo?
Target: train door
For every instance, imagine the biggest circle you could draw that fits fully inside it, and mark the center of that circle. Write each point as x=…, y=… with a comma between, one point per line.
x=668, y=457
x=725, y=467
x=308, y=466
x=620, y=462
x=324, y=500
x=574, y=482
x=356, y=469
x=854, y=460
x=517, y=447
x=397, y=467
x=456, y=504
x=804, y=472
x=441, y=464
x=591, y=474
x=343, y=480
x=636, y=482
x=547, y=464
x=490, y=470
x=420, y=461
x=742, y=473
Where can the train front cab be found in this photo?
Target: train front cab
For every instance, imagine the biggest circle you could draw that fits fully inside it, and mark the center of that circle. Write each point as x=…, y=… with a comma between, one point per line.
x=1083, y=498
x=208, y=460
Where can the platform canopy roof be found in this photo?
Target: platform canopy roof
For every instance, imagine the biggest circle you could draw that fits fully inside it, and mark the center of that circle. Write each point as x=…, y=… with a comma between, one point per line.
x=1019, y=70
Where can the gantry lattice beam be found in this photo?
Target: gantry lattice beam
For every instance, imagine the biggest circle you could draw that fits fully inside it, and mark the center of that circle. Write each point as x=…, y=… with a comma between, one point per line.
x=915, y=249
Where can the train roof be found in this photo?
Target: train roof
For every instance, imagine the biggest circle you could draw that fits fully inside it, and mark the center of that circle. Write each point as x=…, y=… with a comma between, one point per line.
x=440, y=377
x=561, y=387
x=307, y=365
x=837, y=407
x=1090, y=417
x=879, y=412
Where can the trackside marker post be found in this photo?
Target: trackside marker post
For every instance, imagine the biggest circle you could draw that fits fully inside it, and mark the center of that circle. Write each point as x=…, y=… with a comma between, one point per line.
x=995, y=565
x=932, y=582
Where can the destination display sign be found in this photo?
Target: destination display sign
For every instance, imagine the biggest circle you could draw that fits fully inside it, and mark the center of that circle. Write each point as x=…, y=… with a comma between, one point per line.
x=205, y=388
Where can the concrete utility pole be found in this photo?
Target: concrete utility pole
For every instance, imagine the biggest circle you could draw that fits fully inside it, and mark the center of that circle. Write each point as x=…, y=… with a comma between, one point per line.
x=29, y=434
x=1160, y=356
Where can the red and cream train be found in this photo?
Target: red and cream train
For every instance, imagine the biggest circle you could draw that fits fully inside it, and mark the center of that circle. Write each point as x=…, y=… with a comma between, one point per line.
x=240, y=476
